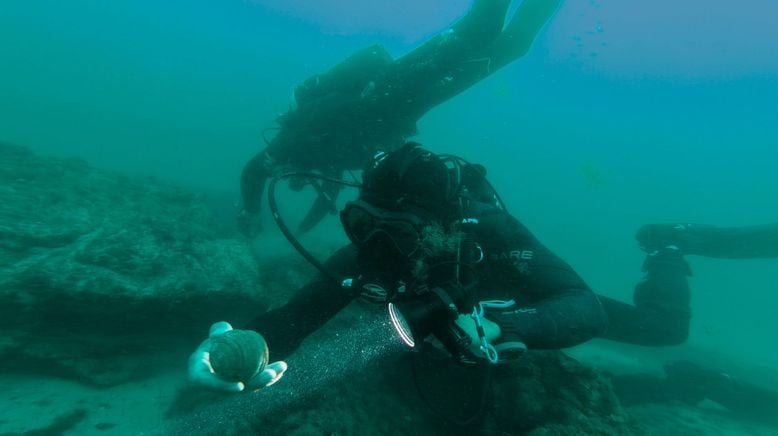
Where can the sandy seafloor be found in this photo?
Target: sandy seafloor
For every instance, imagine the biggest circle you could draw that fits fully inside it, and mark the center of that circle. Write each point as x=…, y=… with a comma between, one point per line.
x=31, y=403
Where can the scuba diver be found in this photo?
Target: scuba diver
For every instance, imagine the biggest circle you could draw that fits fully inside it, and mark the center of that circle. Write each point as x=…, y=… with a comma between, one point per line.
x=372, y=102
x=431, y=239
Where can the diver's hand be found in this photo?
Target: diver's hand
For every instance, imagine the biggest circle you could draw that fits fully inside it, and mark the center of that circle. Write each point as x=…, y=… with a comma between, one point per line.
x=268, y=376
x=202, y=372
x=501, y=340
x=249, y=224
x=491, y=332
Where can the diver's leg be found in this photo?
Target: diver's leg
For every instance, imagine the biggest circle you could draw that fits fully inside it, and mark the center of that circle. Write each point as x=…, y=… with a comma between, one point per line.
x=483, y=23
x=517, y=38
x=478, y=28
x=661, y=313
x=280, y=154
x=408, y=85
x=468, y=67
x=703, y=240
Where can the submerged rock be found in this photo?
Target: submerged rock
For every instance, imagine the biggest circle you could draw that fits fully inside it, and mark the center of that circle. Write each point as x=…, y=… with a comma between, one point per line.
x=97, y=269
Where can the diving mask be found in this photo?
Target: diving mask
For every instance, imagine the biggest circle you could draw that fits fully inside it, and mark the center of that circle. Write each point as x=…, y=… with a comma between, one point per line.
x=367, y=225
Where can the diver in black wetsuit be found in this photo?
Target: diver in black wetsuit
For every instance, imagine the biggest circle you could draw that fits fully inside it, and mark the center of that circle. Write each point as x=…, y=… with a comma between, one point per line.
x=372, y=102
x=395, y=247
x=423, y=234
x=435, y=242
x=411, y=220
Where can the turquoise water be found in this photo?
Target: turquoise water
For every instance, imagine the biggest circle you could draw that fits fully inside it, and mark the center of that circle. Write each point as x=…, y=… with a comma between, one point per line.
x=623, y=113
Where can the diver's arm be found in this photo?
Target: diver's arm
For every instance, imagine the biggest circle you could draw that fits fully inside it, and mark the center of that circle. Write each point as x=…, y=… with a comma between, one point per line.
x=235, y=361
x=570, y=316
x=556, y=308
x=310, y=308
x=252, y=185
x=252, y=181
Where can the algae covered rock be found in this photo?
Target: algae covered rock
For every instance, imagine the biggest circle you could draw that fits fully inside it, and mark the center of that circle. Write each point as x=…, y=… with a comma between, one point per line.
x=99, y=270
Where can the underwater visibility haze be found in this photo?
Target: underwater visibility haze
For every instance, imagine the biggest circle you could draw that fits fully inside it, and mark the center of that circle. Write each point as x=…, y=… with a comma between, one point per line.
x=623, y=113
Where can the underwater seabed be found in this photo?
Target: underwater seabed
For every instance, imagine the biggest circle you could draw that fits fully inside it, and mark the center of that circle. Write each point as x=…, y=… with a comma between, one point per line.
x=679, y=418
x=104, y=296
x=42, y=405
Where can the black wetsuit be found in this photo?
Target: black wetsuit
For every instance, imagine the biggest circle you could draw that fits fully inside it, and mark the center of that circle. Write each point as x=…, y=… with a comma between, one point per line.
x=661, y=311
x=746, y=242
x=372, y=102
x=517, y=266
x=556, y=308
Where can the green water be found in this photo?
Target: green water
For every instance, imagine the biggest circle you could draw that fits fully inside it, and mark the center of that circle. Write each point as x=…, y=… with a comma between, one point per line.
x=610, y=122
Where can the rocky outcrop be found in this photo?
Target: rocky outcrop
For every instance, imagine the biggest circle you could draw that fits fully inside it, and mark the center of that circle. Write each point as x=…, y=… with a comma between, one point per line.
x=98, y=269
